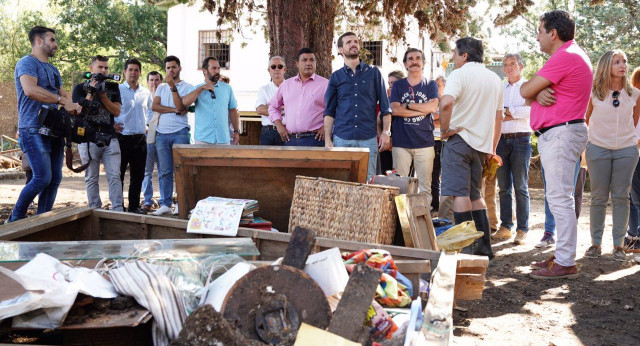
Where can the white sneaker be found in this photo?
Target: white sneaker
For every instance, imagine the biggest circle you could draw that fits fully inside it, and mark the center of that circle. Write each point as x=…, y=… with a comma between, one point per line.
x=175, y=210
x=163, y=210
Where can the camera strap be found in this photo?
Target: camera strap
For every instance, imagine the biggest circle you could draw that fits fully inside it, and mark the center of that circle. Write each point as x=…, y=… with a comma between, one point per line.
x=69, y=152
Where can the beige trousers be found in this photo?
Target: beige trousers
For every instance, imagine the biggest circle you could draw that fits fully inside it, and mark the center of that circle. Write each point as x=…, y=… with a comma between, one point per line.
x=422, y=159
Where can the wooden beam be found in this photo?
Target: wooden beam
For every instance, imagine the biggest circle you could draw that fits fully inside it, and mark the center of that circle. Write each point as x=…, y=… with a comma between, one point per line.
x=35, y=224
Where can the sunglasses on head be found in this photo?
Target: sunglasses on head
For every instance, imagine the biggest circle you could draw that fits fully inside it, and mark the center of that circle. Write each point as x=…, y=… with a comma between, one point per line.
x=616, y=102
x=279, y=66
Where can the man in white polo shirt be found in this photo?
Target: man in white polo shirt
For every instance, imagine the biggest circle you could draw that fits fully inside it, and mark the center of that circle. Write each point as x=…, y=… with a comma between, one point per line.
x=470, y=122
x=269, y=134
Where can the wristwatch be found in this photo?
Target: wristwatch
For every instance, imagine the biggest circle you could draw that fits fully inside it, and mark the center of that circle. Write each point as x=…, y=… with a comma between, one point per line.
x=406, y=105
x=174, y=89
x=59, y=98
x=388, y=133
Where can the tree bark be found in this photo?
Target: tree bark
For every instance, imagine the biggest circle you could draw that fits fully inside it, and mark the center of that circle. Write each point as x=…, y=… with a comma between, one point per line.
x=295, y=24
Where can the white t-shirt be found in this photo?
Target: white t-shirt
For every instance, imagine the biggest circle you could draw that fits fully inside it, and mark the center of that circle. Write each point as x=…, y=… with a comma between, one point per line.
x=478, y=95
x=265, y=94
x=171, y=122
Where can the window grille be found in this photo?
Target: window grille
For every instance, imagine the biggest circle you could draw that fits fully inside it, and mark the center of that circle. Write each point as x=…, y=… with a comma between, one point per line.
x=374, y=51
x=211, y=45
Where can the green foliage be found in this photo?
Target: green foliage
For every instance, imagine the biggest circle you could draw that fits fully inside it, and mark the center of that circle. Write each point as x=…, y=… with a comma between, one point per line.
x=119, y=29
x=14, y=38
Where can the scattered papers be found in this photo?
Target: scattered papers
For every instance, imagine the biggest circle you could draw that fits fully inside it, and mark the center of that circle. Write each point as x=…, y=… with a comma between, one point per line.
x=220, y=216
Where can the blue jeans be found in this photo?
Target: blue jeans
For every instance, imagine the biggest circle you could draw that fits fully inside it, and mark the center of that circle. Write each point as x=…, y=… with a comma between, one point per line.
x=514, y=175
x=164, y=146
x=371, y=144
x=549, y=221
x=634, y=206
x=45, y=156
x=310, y=141
x=270, y=136
x=147, y=183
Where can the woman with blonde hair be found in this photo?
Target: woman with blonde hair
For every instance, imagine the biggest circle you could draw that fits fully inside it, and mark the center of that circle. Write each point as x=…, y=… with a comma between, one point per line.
x=612, y=149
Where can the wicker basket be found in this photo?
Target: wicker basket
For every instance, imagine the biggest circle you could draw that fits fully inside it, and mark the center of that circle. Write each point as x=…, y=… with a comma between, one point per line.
x=344, y=210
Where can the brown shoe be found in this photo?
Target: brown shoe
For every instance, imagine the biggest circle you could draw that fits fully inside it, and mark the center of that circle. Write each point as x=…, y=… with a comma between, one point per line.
x=147, y=208
x=543, y=264
x=594, y=251
x=555, y=271
x=520, y=237
x=502, y=234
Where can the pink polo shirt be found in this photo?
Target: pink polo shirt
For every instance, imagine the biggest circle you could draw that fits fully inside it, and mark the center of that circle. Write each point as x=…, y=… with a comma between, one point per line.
x=571, y=76
x=303, y=103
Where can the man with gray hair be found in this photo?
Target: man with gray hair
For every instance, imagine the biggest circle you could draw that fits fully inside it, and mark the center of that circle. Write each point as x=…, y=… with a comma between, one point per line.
x=514, y=148
x=269, y=134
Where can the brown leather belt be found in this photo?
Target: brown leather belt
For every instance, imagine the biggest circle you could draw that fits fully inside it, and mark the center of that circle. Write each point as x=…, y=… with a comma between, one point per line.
x=515, y=135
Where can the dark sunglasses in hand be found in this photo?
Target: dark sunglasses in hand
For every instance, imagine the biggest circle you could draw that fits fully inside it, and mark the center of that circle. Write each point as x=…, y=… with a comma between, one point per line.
x=616, y=102
x=279, y=66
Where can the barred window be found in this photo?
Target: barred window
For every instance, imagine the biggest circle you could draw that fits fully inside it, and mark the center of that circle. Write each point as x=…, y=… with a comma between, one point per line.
x=374, y=51
x=211, y=45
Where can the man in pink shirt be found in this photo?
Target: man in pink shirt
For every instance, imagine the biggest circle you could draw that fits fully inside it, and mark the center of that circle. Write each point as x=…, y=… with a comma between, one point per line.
x=302, y=98
x=559, y=95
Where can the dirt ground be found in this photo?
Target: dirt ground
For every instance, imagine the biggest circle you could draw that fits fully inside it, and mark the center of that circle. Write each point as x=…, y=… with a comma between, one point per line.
x=602, y=307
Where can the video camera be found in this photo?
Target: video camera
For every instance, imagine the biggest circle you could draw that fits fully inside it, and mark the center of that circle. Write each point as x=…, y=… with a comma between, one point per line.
x=76, y=129
x=100, y=79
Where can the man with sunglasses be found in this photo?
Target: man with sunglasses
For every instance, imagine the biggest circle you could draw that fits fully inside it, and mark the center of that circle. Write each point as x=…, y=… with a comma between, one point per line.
x=269, y=134
x=559, y=95
x=214, y=108
x=352, y=98
x=38, y=84
x=413, y=100
x=303, y=98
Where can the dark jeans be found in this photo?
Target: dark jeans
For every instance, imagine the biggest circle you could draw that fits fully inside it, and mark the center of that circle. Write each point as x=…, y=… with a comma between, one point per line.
x=435, y=177
x=133, y=153
x=512, y=177
x=45, y=155
x=270, y=136
x=310, y=141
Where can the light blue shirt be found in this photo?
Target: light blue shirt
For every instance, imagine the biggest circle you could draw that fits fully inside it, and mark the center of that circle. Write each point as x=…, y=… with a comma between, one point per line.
x=212, y=115
x=172, y=122
x=135, y=105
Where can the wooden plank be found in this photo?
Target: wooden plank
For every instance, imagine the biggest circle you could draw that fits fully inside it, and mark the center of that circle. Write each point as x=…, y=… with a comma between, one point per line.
x=469, y=286
x=35, y=224
x=437, y=327
x=415, y=220
x=351, y=313
x=300, y=246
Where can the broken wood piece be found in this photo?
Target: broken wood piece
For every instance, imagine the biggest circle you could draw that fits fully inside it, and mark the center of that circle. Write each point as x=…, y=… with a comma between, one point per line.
x=300, y=246
x=437, y=328
x=415, y=219
x=351, y=312
x=469, y=286
x=311, y=336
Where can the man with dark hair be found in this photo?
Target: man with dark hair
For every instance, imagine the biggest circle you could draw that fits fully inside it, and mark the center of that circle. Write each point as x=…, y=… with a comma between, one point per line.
x=352, y=99
x=302, y=97
x=276, y=68
x=173, y=128
x=515, y=150
x=470, y=122
x=39, y=84
x=413, y=101
x=215, y=108
x=109, y=154
x=559, y=96
x=154, y=78
x=136, y=104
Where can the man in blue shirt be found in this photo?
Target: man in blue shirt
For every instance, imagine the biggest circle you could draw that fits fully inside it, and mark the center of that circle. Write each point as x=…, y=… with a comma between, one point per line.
x=214, y=108
x=352, y=100
x=413, y=100
x=38, y=84
x=136, y=103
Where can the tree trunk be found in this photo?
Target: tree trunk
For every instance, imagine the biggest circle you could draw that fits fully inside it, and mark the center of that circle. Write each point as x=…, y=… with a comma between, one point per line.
x=294, y=24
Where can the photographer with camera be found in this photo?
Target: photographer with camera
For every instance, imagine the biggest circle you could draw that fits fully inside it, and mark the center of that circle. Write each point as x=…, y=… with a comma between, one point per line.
x=136, y=102
x=39, y=83
x=105, y=147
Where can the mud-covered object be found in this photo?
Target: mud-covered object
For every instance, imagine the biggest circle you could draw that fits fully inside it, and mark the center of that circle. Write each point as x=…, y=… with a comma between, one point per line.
x=205, y=326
